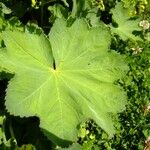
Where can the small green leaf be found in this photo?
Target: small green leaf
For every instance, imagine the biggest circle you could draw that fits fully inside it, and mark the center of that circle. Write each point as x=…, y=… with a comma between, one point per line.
x=126, y=26
x=5, y=9
x=26, y=147
x=88, y=145
x=58, y=11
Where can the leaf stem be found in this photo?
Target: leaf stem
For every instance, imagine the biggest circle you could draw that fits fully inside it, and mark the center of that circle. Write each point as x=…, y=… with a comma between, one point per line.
x=11, y=129
x=42, y=12
x=3, y=131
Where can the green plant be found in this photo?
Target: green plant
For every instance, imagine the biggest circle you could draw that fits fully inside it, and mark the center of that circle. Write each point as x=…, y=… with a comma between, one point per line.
x=50, y=74
x=64, y=74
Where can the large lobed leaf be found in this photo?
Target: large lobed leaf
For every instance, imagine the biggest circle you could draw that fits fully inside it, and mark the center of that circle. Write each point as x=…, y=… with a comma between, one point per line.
x=64, y=79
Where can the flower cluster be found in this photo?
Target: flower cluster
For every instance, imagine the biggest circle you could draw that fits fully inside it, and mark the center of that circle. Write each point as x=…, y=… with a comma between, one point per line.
x=136, y=50
x=144, y=24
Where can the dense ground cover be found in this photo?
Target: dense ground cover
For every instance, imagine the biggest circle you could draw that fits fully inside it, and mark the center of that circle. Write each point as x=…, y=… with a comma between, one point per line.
x=120, y=29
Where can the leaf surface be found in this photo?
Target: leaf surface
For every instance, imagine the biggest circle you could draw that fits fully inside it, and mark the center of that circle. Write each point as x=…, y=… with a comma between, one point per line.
x=126, y=26
x=66, y=79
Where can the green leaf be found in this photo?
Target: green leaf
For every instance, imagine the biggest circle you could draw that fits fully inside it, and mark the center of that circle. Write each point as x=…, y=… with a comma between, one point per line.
x=26, y=147
x=88, y=145
x=5, y=9
x=12, y=23
x=78, y=7
x=58, y=11
x=126, y=26
x=93, y=18
x=66, y=79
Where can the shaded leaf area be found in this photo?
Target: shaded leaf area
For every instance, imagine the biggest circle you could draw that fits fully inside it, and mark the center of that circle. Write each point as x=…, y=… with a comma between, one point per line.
x=28, y=14
x=3, y=85
x=27, y=134
x=74, y=146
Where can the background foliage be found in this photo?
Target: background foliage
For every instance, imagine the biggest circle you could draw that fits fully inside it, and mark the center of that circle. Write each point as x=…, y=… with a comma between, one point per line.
x=134, y=128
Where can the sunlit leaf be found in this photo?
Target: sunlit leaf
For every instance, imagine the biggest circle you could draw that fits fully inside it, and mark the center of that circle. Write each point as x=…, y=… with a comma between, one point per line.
x=65, y=79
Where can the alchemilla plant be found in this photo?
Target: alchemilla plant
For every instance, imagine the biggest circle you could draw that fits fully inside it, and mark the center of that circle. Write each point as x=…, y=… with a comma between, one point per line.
x=74, y=75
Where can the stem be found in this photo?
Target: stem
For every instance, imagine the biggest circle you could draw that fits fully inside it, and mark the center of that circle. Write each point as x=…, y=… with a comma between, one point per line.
x=44, y=3
x=74, y=9
x=3, y=132
x=42, y=12
x=11, y=130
